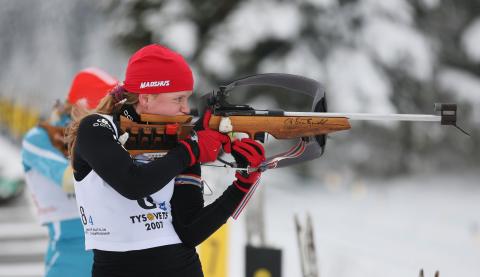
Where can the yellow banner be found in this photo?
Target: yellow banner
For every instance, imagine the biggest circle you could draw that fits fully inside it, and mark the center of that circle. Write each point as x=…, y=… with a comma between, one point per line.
x=214, y=253
x=17, y=118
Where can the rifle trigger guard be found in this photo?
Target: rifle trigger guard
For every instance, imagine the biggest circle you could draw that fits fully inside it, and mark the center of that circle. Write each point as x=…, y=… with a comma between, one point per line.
x=225, y=125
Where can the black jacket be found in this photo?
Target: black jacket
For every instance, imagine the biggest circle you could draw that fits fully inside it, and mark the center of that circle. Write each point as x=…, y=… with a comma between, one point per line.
x=97, y=149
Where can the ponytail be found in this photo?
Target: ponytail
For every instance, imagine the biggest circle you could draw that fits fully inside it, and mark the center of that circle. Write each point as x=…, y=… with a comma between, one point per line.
x=109, y=105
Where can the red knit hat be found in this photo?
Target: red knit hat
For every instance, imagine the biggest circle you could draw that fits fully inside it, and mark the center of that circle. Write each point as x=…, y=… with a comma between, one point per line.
x=91, y=84
x=157, y=69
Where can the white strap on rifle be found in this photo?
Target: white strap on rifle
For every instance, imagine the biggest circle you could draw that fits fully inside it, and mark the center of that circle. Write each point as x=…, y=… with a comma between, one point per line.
x=294, y=152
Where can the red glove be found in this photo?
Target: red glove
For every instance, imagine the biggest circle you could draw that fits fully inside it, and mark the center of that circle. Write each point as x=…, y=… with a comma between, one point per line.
x=208, y=142
x=247, y=153
x=202, y=122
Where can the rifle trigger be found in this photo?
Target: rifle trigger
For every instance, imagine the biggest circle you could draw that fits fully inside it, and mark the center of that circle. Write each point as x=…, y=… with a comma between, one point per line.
x=260, y=137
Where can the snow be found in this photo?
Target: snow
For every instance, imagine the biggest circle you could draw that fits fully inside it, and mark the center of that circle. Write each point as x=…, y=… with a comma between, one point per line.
x=60, y=43
x=29, y=269
x=398, y=10
x=373, y=228
x=471, y=39
x=254, y=21
x=112, y=60
x=217, y=58
x=11, y=167
x=172, y=27
x=181, y=36
x=399, y=45
x=299, y=61
x=352, y=71
x=356, y=84
x=251, y=22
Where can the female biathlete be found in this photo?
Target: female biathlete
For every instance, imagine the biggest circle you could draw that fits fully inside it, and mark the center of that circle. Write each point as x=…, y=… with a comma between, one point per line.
x=141, y=217
x=50, y=181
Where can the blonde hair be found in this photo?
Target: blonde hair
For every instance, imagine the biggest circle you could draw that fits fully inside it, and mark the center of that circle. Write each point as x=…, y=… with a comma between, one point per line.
x=109, y=105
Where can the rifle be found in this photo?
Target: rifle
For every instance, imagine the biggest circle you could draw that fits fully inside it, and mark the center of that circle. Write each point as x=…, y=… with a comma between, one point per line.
x=56, y=134
x=156, y=134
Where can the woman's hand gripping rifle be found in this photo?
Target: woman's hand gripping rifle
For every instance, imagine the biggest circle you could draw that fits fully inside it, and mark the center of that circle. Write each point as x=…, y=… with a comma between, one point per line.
x=208, y=142
x=248, y=154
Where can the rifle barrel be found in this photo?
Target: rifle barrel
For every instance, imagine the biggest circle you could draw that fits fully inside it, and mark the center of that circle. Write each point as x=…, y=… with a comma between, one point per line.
x=371, y=116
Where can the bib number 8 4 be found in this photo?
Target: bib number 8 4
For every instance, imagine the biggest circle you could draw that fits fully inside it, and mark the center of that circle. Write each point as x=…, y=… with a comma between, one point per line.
x=84, y=217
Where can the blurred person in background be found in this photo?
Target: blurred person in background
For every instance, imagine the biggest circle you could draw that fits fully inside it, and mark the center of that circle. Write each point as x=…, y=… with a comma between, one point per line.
x=144, y=217
x=50, y=178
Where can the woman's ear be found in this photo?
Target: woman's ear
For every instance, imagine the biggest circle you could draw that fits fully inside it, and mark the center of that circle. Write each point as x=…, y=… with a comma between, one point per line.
x=143, y=100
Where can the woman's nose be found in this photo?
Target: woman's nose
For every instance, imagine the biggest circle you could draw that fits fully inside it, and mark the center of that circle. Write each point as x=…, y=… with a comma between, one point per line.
x=185, y=108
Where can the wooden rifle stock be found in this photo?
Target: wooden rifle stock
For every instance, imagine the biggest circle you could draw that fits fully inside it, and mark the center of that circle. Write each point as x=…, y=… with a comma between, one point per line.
x=153, y=136
x=283, y=127
x=56, y=134
x=156, y=134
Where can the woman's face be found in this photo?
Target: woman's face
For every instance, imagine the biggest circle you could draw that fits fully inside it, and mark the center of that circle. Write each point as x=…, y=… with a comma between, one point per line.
x=172, y=103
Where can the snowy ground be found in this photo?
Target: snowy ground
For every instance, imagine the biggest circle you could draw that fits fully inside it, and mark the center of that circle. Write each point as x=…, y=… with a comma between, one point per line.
x=371, y=229
x=362, y=228
x=22, y=240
